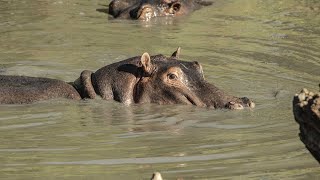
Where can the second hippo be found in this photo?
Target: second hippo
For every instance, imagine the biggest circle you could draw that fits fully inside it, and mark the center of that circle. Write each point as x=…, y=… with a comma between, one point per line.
x=141, y=79
x=147, y=9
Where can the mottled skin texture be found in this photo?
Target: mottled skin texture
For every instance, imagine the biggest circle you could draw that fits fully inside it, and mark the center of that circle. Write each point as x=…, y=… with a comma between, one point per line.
x=306, y=110
x=147, y=9
x=142, y=79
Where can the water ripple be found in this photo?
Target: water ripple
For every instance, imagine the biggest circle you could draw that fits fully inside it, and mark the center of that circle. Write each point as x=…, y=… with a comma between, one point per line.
x=27, y=125
x=152, y=160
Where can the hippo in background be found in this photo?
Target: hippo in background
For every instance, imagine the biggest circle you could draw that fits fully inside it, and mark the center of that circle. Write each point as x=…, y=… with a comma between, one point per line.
x=306, y=111
x=147, y=9
x=141, y=79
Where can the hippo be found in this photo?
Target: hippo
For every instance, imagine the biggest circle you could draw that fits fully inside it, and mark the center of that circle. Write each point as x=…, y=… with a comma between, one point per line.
x=306, y=111
x=147, y=9
x=141, y=79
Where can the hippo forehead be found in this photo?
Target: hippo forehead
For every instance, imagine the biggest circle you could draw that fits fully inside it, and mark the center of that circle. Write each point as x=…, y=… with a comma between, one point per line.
x=192, y=70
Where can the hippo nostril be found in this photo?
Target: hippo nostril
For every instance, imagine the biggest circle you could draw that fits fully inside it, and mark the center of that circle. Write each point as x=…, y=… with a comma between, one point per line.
x=176, y=7
x=252, y=105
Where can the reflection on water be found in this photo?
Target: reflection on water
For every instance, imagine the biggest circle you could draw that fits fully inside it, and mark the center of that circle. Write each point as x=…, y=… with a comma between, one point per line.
x=265, y=50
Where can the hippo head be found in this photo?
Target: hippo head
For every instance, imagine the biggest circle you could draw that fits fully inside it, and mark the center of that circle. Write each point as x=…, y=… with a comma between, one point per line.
x=173, y=81
x=147, y=9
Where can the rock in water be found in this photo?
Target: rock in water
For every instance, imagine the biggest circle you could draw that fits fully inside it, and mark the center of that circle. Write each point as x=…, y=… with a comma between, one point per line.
x=306, y=110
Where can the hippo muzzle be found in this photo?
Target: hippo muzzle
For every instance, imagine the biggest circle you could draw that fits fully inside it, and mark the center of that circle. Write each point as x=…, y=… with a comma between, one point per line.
x=144, y=12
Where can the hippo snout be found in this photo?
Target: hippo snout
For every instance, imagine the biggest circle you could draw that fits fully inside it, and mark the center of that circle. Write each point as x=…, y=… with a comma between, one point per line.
x=144, y=12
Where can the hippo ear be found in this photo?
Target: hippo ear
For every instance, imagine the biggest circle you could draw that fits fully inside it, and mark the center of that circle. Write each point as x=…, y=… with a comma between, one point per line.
x=176, y=54
x=146, y=63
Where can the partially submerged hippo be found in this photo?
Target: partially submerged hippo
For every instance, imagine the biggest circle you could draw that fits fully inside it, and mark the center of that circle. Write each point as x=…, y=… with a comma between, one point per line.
x=147, y=9
x=142, y=79
x=306, y=110
x=156, y=176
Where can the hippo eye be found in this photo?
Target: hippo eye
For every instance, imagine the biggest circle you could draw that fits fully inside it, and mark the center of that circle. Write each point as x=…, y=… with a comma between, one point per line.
x=172, y=76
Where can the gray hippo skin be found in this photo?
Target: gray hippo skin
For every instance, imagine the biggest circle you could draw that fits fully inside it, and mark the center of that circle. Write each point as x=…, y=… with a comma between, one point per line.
x=147, y=9
x=142, y=79
x=22, y=89
x=306, y=110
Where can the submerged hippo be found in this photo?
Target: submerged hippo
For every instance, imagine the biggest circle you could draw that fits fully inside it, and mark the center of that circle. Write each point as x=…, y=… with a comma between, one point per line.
x=147, y=9
x=142, y=79
x=306, y=110
x=156, y=176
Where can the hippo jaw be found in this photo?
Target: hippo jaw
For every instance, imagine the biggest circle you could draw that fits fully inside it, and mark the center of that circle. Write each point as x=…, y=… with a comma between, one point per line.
x=144, y=93
x=213, y=97
x=195, y=100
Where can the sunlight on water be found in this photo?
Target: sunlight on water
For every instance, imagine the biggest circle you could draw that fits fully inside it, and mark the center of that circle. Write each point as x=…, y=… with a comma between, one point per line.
x=265, y=50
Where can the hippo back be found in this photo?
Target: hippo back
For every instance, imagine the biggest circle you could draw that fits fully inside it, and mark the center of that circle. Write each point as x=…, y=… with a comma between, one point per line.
x=23, y=89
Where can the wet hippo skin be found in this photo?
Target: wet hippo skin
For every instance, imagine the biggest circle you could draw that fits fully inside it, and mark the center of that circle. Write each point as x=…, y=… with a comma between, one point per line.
x=147, y=9
x=141, y=79
x=306, y=110
x=23, y=89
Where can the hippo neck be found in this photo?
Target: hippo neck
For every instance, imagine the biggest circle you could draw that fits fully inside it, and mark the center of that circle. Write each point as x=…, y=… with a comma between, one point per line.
x=84, y=85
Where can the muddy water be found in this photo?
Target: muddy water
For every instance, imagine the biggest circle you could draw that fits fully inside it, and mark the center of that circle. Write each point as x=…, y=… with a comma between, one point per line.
x=265, y=50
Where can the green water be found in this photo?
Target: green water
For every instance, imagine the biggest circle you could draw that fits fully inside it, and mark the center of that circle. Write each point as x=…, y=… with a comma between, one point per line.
x=265, y=50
